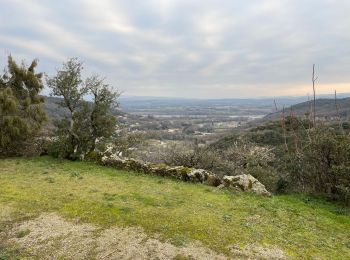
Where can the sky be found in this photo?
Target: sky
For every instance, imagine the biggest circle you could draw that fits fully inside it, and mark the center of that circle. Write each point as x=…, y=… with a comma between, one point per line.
x=187, y=48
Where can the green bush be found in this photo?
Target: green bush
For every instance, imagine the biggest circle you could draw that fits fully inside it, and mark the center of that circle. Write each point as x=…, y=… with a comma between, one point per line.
x=266, y=176
x=93, y=156
x=267, y=137
x=322, y=166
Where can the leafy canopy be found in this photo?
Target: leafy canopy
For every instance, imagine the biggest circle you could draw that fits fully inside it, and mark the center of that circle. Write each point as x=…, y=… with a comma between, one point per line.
x=87, y=122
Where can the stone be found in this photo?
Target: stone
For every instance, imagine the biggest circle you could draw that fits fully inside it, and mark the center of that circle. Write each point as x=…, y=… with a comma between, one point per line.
x=179, y=172
x=198, y=175
x=158, y=169
x=213, y=180
x=246, y=183
x=131, y=164
x=221, y=186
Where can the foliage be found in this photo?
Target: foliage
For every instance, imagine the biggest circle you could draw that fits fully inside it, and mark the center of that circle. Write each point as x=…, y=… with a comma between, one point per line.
x=267, y=176
x=124, y=143
x=248, y=154
x=21, y=112
x=326, y=164
x=266, y=137
x=187, y=154
x=88, y=122
x=317, y=160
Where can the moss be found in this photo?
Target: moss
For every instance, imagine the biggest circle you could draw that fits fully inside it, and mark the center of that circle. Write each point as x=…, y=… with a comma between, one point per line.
x=22, y=233
x=93, y=156
x=250, y=185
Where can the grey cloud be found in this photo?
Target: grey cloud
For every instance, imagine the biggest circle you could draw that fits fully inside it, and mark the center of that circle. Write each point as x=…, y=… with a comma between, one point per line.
x=193, y=48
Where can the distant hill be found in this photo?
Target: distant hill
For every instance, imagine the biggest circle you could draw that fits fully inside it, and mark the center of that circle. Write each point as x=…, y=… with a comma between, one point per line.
x=54, y=111
x=134, y=103
x=324, y=108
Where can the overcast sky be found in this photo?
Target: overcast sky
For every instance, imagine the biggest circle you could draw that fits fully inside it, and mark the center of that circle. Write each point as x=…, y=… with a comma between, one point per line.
x=188, y=48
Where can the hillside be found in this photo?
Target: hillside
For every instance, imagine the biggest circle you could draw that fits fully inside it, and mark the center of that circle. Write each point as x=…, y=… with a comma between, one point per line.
x=54, y=111
x=248, y=106
x=324, y=108
x=79, y=210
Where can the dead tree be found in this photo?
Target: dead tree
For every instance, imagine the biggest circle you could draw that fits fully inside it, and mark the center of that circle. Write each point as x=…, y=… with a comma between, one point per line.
x=337, y=109
x=313, y=87
x=283, y=124
x=274, y=101
x=296, y=138
x=310, y=110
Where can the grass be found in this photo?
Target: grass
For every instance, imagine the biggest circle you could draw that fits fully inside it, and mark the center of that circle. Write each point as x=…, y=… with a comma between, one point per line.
x=302, y=226
x=22, y=233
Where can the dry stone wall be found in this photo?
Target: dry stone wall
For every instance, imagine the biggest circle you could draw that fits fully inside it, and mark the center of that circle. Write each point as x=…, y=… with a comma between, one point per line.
x=244, y=182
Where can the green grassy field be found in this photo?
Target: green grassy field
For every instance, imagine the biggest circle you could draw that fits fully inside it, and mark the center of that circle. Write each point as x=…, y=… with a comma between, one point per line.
x=301, y=226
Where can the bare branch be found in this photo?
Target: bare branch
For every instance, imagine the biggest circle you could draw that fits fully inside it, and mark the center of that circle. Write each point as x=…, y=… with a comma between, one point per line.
x=313, y=87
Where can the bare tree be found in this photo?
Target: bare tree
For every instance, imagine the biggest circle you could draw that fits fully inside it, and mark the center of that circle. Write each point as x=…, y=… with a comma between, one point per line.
x=283, y=123
x=296, y=138
x=310, y=110
x=313, y=87
x=274, y=101
x=337, y=109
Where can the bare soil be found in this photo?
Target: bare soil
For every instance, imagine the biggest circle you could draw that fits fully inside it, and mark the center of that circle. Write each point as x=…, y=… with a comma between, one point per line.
x=49, y=236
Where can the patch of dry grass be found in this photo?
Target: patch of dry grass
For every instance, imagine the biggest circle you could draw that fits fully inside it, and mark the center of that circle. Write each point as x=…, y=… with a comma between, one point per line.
x=50, y=237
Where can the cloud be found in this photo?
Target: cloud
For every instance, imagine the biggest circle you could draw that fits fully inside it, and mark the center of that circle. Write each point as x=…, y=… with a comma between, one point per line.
x=195, y=48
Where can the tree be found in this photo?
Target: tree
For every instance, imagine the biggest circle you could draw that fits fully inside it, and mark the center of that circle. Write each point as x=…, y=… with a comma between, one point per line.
x=86, y=122
x=67, y=83
x=102, y=122
x=21, y=111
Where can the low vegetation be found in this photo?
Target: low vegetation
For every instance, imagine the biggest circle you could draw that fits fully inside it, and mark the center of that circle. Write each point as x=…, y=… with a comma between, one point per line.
x=299, y=226
x=287, y=158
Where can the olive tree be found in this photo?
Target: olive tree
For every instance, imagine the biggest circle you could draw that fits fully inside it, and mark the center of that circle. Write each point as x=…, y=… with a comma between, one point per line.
x=86, y=121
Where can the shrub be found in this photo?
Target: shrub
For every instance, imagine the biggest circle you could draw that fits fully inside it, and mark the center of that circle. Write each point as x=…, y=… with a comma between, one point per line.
x=266, y=176
x=267, y=137
x=322, y=166
x=246, y=154
x=93, y=156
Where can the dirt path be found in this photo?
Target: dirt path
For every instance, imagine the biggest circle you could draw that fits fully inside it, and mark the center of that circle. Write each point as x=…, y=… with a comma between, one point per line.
x=51, y=237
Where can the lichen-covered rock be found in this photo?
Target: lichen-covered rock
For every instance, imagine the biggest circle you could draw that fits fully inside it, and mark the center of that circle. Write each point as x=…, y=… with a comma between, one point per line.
x=113, y=161
x=146, y=168
x=179, y=172
x=203, y=176
x=213, y=180
x=198, y=175
x=131, y=164
x=246, y=183
x=158, y=169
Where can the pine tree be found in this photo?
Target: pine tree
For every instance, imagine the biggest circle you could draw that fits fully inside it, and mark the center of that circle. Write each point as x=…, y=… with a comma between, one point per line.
x=21, y=111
